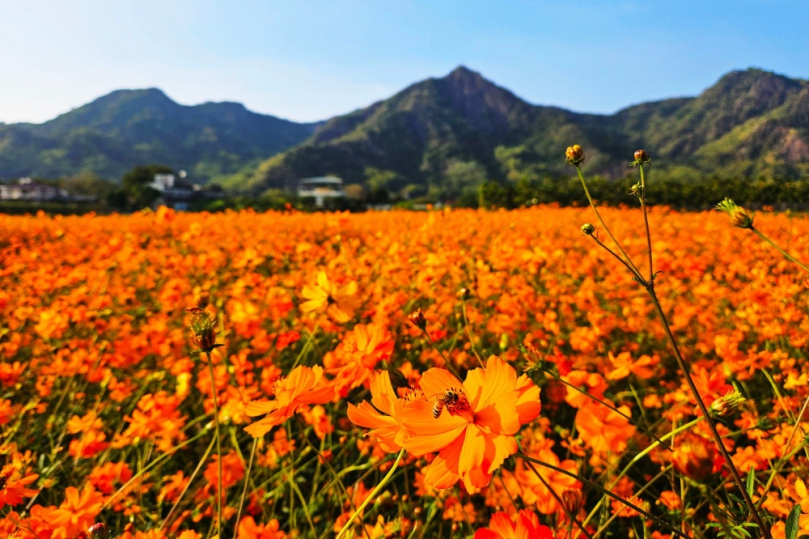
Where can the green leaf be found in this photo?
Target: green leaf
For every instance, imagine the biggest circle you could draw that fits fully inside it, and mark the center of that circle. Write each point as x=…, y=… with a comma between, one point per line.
x=751, y=481
x=792, y=523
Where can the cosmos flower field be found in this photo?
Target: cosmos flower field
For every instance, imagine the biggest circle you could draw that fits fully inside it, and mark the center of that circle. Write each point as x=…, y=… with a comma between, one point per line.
x=438, y=374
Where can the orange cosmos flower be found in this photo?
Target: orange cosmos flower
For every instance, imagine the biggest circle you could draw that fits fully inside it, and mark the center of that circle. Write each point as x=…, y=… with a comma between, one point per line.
x=524, y=525
x=14, y=484
x=389, y=428
x=533, y=489
x=623, y=366
x=603, y=429
x=340, y=302
x=475, y=432
x=77, y=512
x=356, y=357
x=303, y=386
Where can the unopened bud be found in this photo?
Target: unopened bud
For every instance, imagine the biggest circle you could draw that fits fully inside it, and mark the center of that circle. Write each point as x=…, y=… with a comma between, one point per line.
x=574, y=155
x=739, y=216
x=641, y=156
x=418, y=320
x=587, y=229
x=724, y=405
x=464, y=293
x=572, y=501
x=97, y=531
x=203, y=329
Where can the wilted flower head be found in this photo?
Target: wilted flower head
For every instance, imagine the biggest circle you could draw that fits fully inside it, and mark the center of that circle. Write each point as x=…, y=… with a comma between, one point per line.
x=739, y=216
x=694, y=457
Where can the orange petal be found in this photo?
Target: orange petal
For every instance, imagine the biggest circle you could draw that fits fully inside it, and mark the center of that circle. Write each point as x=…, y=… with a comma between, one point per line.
x=500, y=378
x=443, y=470
x=261, y=407
x=437, y=381
x=501, y=417
x=430, y=434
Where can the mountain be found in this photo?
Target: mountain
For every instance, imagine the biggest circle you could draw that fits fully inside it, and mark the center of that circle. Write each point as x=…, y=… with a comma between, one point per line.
x=130, y=127
x=448, y=134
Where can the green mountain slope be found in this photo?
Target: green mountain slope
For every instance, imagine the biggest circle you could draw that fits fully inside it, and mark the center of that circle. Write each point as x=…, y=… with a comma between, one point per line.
x=448, y=134
x=129, y=127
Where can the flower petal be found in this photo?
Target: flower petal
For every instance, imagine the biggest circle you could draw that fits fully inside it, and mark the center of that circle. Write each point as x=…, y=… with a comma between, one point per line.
x=437, y=381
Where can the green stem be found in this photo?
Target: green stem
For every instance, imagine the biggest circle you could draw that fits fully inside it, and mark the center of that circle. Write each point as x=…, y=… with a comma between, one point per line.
x=469, y=333
x=704, y=409
x=246, y=481
x=604, y=225
x=786, y=254
x=218, y=445
x=646, y=223
x=639, y=456
x=598, y=487
x=372, y=495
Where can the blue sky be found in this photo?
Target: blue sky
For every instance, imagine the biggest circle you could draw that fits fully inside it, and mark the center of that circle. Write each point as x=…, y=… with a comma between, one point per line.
x=309, y=60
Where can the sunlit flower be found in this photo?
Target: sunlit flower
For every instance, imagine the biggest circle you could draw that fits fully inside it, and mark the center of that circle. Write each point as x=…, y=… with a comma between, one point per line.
x=524, y=525
x=303, y=386
x=340, y=303
x=475, y=433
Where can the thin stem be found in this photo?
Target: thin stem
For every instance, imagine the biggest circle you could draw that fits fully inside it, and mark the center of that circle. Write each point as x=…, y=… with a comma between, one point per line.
x=606, y=405
x=704, y=409
x=469, y=333
x=786, y=254
x=619, y=259
x=603, y=224
x=218, y=445
x=447, y=362
x=187, y=485
x=640, y=456
x=638, y=493
x=372, y=495
x=646, y=224
x=598, y=487
x=559, y=500
x=246, y=481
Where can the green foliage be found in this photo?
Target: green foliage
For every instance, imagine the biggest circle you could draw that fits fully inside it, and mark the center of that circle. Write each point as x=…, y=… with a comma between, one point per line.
x=127, y=127
x=451, y=134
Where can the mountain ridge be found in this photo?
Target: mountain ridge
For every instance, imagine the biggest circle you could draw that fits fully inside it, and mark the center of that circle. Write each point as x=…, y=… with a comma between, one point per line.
x=442, y=134
x=124, y=128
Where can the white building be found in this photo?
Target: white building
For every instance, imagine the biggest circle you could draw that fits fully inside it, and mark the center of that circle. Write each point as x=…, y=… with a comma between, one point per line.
x=27, y=189
x=321, y=188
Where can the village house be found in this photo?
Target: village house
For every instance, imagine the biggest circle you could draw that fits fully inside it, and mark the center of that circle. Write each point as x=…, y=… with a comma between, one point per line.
x=321, y=188
x=30, y=190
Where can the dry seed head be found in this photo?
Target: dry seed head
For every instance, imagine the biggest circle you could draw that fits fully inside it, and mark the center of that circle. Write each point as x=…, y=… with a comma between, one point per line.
x=574, y=155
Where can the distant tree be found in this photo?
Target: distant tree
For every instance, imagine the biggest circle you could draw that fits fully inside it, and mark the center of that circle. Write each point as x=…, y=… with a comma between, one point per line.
x=355, y=191
x=87, y=183
x=135, y=185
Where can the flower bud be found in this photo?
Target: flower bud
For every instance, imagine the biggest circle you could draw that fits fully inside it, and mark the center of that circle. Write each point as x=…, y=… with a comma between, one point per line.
x=739, y=217
x=203, y=329
x=587, y=229
x=418, y=320
x=464, y=293
x=641, y=156
x=574, y=155
x=572, y=501
x=97, y=531
x=694, y=457
x=724, y=405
